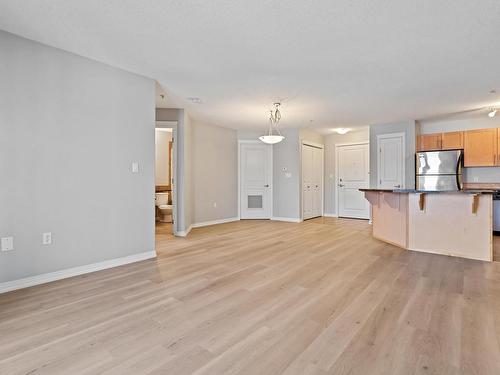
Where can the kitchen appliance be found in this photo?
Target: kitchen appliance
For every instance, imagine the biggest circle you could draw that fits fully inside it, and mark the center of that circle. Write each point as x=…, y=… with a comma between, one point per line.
x=439, y=170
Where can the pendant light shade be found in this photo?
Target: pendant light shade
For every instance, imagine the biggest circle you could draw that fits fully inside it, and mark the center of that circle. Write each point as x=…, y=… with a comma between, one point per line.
x=273, y=137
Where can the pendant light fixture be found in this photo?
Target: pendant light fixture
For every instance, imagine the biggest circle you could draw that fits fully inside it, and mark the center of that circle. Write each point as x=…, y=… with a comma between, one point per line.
x=274, y=118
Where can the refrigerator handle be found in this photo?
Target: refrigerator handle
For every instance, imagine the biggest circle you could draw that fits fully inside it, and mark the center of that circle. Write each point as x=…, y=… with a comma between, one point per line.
x=459, y=171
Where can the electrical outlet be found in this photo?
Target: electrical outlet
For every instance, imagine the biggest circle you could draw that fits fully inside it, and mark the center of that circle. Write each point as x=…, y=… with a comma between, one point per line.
x=47, y=238
x=135, y=167
x=7, y=243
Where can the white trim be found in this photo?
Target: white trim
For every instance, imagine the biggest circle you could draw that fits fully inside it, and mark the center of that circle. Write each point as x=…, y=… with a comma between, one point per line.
x=313, y=144
x=392, y=135
x=330, y=215
x=214, y=222
x=75, y=271
x=287, y=219
x=336, y=169
x=271, y=183
x=183, y=233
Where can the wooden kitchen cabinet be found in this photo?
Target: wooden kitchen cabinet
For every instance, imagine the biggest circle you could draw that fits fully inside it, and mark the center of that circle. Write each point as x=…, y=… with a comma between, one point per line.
x=481, y=148
x=498, y=146
x=452, y=140
x=429, y=142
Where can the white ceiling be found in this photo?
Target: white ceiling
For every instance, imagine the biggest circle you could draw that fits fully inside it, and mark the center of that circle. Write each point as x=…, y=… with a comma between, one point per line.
x=341, y=63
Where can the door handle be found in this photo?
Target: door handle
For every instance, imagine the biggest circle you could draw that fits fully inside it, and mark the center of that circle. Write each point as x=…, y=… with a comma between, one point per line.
x=341, y=185
x=267, y=185
x=397, y=186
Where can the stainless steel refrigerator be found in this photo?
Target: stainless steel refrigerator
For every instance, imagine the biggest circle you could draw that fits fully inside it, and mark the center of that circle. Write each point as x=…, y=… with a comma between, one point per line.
x=439, y=170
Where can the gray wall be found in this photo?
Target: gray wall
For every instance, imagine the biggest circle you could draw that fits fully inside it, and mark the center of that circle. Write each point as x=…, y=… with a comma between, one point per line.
x=479, y=121
x=215, y=172
x=286, y=190
x=361, y=135
x=69, y=130
x=408, y=127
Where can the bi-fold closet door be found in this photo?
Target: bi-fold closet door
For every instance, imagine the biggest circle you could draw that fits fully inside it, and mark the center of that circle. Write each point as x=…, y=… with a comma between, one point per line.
x=312, y=181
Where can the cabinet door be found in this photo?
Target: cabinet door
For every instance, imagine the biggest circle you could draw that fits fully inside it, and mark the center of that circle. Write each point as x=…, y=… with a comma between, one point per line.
x=429, y=142
x=480, y=148
x=452, y=140
x=498, y=146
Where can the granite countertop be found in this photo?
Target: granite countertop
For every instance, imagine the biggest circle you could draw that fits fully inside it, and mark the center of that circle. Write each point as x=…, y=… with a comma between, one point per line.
x=414, y=191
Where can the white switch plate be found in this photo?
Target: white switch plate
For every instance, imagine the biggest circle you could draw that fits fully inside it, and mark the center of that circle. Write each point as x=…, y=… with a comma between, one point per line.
x=47, y=238
x=135, y=167
x=215, y=204
x=7, y=243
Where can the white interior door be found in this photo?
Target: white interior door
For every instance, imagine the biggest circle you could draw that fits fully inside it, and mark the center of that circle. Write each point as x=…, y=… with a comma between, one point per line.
x=353, y=173
x=391, y=161
x=312, y=181
x=255, y=181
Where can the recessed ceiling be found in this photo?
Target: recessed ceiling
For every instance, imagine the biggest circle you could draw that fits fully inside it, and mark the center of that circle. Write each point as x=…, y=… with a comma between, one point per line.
x=341, y=63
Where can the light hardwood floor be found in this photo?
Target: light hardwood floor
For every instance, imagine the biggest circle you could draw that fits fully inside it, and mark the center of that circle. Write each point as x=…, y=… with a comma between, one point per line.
x=319, y=297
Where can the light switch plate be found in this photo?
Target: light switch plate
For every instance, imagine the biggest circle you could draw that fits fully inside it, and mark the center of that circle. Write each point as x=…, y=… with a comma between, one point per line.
x=135, y=167
x=47, y=238
x=7, y=243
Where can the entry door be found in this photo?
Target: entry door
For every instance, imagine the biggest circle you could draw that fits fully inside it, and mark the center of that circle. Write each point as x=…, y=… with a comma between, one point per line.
x=353, y=174
x=255, y=181
x=390, y=161
x=312, y=181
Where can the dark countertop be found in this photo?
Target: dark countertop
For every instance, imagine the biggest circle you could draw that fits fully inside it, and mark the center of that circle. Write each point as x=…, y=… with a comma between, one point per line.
x=414, y=191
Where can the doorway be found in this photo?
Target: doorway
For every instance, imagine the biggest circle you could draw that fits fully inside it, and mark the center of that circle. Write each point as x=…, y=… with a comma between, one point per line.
x=353, y=173
x=312, y=180
x=165, y=187
x=255, y=180
x=391, y=161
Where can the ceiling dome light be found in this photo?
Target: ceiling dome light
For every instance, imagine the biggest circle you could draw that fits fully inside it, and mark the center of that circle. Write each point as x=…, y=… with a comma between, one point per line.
x=342, y=130
x=274, y=119
x=492, y=113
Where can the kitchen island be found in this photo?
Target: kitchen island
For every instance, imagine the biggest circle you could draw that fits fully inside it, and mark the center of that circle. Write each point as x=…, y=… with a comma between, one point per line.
x=456, y=223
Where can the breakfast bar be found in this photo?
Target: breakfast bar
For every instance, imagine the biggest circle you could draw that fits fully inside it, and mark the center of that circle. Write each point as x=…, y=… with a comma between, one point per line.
x=456, y=223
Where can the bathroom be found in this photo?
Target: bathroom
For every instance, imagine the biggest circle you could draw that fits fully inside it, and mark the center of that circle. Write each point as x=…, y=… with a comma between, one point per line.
x=163, y=183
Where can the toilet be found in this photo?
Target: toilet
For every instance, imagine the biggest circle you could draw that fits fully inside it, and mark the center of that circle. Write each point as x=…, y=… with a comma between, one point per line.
x=163, y=209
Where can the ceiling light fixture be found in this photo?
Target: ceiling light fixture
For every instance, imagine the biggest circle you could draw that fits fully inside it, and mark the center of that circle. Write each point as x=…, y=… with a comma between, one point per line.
x=492, y=112
x=274, y=119
x=342, y=130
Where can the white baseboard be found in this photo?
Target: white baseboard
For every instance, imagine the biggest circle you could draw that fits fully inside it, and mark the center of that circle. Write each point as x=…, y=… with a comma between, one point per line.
x=184, y=233
x=75, y=271
x=288, y=219
x=214, y=222
x=330, y=215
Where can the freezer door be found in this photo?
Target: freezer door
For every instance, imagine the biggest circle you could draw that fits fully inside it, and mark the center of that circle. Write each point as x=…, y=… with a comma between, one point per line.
x=439, y=162
x=439, y=182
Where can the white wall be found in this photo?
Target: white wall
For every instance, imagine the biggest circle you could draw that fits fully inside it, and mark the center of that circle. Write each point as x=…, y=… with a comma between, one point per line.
x=361, y=135
x=480, y=121
x=215, y=173
x=69, y=131
x=409, y=128
x=162, y=157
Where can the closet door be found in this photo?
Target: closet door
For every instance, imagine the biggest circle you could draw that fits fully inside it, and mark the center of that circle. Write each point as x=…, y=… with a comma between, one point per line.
x=317, y=168
x=312, y=182
x=307, y=177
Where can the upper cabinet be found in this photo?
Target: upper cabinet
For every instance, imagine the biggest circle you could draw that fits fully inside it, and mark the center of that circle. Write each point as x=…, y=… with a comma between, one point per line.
x=429, y=142
x=481, y=148
x=452, y=140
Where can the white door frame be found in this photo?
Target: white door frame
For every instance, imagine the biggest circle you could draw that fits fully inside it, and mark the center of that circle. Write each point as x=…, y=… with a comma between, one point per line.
x=403, y=150
x=251, y=141
x=322, y=147
x=336, y=179
x=174, y=178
